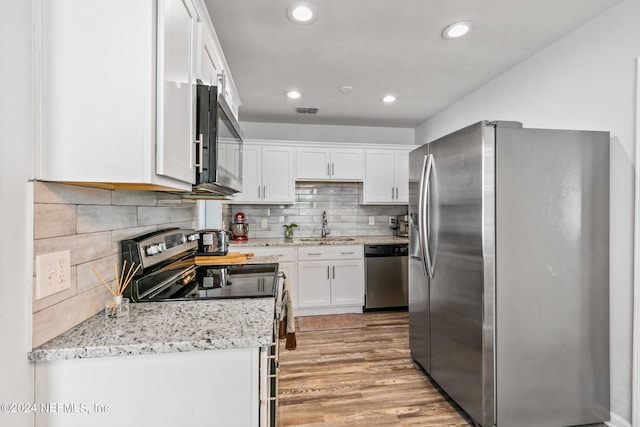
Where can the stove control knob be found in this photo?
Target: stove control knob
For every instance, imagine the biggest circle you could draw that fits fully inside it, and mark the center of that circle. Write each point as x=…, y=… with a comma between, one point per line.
x=161, y=247
x=183, y=239
x=193, y=237
x=152, y=250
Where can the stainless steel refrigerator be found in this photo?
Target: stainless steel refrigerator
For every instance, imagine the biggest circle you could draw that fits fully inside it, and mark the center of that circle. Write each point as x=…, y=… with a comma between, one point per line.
x=509, y=272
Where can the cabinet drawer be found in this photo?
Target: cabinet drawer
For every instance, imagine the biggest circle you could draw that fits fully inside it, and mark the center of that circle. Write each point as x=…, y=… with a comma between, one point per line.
x=312, y=253
x=284, y=253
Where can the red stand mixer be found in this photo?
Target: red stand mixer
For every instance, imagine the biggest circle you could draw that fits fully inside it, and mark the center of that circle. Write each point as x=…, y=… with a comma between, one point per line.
x=240, y=228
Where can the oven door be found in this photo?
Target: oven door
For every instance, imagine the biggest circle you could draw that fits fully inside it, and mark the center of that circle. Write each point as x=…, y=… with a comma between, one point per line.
x=219, y=154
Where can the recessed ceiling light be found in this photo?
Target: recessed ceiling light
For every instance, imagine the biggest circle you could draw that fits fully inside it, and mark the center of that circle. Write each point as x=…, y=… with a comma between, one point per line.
x=302, y=13
x=388, y=99
x=346, y=89
x=294, y=94
x=457, y=30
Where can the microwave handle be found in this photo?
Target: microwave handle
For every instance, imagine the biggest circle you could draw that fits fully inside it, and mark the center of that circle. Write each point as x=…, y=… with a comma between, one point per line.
x=200, y=144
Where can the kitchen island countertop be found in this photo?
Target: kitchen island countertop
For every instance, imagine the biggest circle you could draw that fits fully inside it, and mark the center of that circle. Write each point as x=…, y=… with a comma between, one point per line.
x=166, y=327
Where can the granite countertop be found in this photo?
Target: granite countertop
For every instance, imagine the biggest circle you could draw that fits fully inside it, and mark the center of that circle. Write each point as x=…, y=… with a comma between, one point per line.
x=314, y=241
x=165, y=327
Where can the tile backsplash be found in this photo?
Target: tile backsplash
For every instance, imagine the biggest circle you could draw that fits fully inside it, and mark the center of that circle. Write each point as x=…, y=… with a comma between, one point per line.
x=340, y=200
x=91, y=222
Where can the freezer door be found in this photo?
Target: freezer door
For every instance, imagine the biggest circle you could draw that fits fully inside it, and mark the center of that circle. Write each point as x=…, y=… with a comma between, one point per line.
x=461, y=326
x=418, y=280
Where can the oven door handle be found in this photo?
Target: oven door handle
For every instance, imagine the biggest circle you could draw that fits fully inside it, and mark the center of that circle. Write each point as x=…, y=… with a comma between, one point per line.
x=149, y=294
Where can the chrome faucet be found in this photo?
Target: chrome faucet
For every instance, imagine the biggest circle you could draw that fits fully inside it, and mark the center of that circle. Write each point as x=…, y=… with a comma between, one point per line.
x=325, y=226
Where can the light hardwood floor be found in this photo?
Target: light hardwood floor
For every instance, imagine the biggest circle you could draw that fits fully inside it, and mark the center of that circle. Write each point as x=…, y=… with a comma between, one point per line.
x=359, y=377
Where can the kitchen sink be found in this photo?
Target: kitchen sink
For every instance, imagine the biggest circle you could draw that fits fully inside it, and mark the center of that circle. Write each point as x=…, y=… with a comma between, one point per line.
x=326, y=239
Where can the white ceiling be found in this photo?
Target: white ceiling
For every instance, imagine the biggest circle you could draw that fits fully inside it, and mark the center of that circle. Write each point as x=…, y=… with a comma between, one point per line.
x=380, y=47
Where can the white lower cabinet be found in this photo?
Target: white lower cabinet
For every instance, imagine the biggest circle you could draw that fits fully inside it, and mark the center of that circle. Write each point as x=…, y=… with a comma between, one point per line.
x=330, y=279
x=324, y=279
x=196, y=389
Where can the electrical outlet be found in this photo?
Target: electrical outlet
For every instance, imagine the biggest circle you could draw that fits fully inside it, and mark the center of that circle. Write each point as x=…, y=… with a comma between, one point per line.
x=53, y=273
x=392, y=220
x=264, y=223
x=372, y=220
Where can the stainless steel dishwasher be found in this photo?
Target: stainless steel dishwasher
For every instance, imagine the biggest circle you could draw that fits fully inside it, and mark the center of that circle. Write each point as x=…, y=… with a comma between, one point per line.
x=386, y=275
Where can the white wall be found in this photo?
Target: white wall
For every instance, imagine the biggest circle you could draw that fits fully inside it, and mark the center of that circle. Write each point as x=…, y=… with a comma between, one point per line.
x=327, y=133
x=16, y=208
x=584, y=81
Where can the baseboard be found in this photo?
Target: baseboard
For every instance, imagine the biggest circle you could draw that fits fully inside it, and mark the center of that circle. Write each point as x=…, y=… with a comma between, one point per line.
x=617, y=421
x=327, y=310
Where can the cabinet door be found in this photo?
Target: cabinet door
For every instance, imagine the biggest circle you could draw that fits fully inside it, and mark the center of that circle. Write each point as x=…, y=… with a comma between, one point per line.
x=251, y=173
x=278, y=182
x=379, y=185
x=176, y=91
x=347, y=283
x=314, y=286
x=210, y=67
x=402, y=177
x=346, y=164
x=314, y=163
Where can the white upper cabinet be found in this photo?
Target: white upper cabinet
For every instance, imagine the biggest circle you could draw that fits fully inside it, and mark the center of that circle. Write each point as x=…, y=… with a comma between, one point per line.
x=330, y=164
x=267, y=174
x=386, y=179
x=177, y=48
x=210, y=65
x=212, y=68
x=117, y=91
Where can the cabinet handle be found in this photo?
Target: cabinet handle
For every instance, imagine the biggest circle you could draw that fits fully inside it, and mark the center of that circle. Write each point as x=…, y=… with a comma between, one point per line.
x=333, y=169
x=222, y=78
x=258, y=191
x=327, y=272
x=391, y=193
x=346, y=253
x=264, y=191
x=328, y=170
x=334, y=271
x=200, y=163
x=314, y=253
x=396, y=193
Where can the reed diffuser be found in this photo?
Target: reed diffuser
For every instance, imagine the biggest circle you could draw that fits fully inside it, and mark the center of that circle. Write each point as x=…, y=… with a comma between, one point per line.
x=118, y=306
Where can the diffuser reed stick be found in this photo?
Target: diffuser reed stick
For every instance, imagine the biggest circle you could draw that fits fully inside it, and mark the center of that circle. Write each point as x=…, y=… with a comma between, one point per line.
x=121, y=281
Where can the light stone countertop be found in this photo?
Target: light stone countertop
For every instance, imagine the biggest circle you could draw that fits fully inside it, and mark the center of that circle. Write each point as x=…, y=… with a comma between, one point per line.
x=165, y=327
x=337, y=240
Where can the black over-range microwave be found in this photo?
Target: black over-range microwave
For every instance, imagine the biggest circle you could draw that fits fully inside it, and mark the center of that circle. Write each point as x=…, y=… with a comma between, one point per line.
x=219, y=144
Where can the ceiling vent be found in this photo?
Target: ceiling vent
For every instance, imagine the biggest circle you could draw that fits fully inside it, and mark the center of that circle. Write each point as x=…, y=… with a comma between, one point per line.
x=307, y=110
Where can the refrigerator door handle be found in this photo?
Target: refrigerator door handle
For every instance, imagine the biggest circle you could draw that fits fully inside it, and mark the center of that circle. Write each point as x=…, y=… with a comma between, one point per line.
x=431, y=217
x=425, y=182
x=421, y=214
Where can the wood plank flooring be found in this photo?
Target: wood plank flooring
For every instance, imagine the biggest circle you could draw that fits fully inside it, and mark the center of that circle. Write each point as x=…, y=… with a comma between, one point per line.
x=360, y=377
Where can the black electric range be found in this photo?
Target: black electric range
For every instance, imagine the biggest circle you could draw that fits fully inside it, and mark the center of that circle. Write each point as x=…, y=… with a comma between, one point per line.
x=169, y=271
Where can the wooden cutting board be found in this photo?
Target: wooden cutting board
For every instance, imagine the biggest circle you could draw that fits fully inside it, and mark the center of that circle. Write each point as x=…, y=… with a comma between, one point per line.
x=229, y=258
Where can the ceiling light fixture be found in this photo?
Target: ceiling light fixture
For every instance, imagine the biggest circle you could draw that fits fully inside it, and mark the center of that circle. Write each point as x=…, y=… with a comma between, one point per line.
x=346, y=89
x=293, y=94
x=302, y=13
x=457, y=30
x=388, y=99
